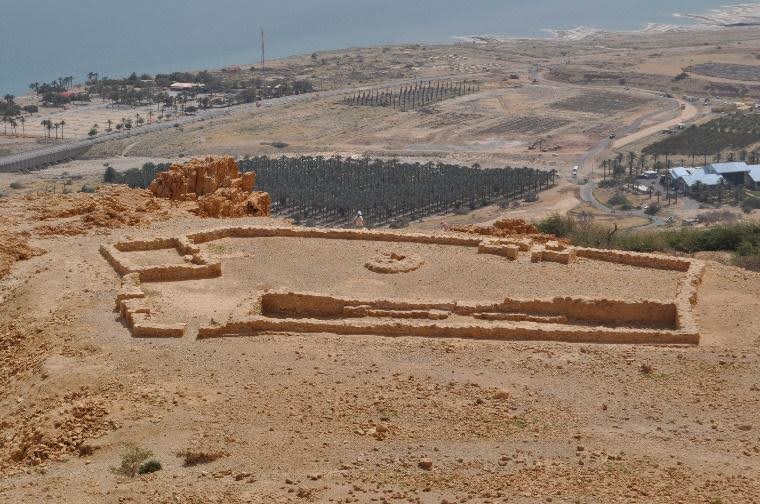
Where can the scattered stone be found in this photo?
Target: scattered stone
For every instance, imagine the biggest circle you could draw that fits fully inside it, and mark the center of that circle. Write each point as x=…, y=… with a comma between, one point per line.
x=502, y=394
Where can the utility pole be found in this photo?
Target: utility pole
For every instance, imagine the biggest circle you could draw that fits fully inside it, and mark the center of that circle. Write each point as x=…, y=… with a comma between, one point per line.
x=263, y=58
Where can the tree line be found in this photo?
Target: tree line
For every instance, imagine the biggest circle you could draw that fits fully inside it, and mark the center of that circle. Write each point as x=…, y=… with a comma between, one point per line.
x=136, y=178
x=734, y=131
x=330, y=191
x=12, y=115
x=213, y=91
x=412, y=96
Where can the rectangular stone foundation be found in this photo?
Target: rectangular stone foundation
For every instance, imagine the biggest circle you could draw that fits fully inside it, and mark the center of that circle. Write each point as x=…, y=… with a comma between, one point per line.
x=559, y=319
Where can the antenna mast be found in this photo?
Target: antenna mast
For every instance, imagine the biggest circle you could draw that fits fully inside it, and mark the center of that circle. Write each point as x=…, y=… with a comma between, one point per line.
x=263, y=58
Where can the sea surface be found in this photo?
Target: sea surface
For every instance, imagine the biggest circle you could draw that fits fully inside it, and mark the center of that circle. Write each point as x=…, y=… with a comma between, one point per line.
x=44, y=39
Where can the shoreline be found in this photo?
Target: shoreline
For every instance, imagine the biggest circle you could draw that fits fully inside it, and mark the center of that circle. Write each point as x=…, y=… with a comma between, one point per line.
x=728, y=16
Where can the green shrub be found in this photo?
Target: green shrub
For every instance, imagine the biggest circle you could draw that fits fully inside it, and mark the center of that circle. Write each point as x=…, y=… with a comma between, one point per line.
x=557, y=225
x=132, y=460
x=150, y=466
x=751, y=203
x=741, y=238
x=653, y=209
x=87, y=189
x=16, y=185
x=618, y=199
x=110, y=175
x=641, y=241
x=751, y=262
x=726, y=237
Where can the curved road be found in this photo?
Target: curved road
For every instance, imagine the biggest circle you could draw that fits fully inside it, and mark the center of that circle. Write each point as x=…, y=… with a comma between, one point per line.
x=626, y=136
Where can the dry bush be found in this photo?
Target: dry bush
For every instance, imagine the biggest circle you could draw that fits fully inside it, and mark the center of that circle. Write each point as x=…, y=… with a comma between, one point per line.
x=194, y=458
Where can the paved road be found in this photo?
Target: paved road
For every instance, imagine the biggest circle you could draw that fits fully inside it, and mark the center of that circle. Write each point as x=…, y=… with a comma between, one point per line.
x=59, y=152
x=624, y=136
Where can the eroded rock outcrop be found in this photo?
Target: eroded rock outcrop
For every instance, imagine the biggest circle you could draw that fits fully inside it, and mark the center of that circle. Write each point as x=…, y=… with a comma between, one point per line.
x=217, y=185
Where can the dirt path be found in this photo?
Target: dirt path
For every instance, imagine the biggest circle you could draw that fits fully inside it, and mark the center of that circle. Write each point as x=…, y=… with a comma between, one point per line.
x=687, y=114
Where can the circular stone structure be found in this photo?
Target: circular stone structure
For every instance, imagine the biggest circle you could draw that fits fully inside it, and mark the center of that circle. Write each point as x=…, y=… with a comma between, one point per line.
x=391, y=262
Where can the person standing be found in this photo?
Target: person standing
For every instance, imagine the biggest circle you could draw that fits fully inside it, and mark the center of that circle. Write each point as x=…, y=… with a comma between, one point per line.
x=359, y=221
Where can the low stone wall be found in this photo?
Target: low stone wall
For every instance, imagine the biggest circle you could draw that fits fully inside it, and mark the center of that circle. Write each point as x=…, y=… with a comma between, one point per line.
x=559, y=319
x=146, y=245
x=511, y=252
x=603, y=311
x=518, y=331
x=292, y=304
x=557, y=254
x=130, y=302
x=332, y=234
x=652, y=261
x=109, y=252
x=521, y=317
x=687, y=296
x=177, y=272
x=199, y=265
x=367, y=311
x=579, y=310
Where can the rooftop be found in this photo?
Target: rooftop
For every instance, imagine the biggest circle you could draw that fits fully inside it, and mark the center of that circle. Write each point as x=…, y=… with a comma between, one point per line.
x=708, y=179
x=731, y=167
x=679, y=172
x=754, y=173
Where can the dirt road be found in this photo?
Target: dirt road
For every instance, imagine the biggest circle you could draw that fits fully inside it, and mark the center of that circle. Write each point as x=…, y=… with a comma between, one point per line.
x=688, y=113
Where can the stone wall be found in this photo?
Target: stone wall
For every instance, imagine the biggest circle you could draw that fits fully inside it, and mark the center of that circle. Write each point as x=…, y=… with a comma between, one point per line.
x=518, y=331
x=573, y=319
x=580, y=310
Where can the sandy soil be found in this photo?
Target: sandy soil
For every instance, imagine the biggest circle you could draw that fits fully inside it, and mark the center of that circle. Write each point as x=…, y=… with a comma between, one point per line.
x=319, y=417
x=499, y=125
x=71, y=176
x=322, y=418
x=336, y=267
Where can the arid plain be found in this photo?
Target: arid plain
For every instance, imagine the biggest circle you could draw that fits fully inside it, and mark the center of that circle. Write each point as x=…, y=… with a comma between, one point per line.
x=288, y=416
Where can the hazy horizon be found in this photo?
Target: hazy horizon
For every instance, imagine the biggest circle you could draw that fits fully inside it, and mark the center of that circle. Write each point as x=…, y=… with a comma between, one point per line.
x=42, y=40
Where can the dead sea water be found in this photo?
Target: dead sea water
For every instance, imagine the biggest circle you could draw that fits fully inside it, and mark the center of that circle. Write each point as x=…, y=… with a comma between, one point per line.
x=43, y=39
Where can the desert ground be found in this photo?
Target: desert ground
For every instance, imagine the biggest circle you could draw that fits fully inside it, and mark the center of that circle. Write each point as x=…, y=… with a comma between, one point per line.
x=324, y=418
x=300, y=417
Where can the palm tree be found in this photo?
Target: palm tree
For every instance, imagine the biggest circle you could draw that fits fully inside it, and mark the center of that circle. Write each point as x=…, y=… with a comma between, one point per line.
x=47, y=125
x=62, y=123
x=56, y=125
x=22, y=120
x=631, y=159
x=109, y=122
x=5, y=125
